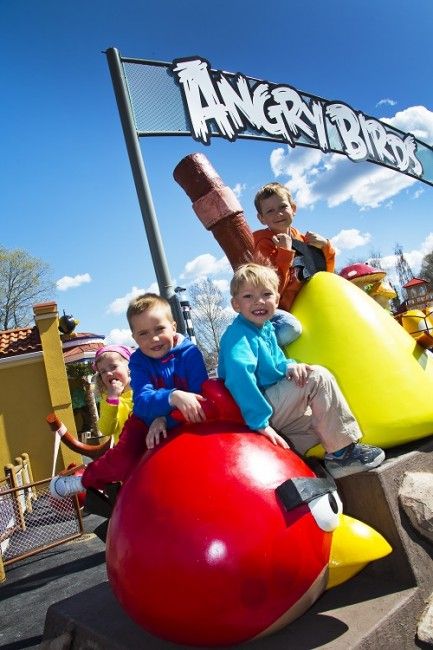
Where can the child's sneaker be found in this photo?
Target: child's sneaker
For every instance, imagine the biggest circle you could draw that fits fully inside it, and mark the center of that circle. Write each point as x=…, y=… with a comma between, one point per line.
x=355, y=458
x=65, y=486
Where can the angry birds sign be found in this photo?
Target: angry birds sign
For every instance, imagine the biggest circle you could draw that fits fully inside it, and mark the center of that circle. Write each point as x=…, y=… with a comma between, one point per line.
x=219, y=536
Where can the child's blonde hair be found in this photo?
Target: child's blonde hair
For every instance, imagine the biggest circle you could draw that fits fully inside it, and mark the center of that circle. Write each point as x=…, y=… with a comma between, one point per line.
x=255, y=274
x=99, y=384
x=272, y=189
x=146, y=301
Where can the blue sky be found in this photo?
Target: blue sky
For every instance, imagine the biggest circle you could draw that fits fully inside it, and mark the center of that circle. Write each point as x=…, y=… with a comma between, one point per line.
x=66, y=189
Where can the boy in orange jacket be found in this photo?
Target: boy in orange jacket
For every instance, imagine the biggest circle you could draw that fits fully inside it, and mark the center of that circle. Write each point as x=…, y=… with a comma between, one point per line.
x=277, y=242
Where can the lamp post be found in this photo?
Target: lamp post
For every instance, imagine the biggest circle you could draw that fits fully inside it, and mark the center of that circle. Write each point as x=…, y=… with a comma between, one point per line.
x=186, y=313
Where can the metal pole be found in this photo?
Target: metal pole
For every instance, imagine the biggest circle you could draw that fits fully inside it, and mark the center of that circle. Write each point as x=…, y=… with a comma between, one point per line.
x=142, y=186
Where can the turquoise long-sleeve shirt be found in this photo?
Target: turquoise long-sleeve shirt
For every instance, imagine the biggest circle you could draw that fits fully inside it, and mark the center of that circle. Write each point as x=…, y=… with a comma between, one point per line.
x=250, y=361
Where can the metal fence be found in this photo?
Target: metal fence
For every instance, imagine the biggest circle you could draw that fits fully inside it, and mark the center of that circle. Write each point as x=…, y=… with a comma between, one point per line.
x=31, y=520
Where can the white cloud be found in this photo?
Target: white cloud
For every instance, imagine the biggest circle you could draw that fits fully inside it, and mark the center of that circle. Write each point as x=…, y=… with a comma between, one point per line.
x=417, y=120
x=68, y=282
x=314, y=176
x=349, y=239
x=239, y=188
x=203, y=266
x=427, y=245
x=277, y=161
x=120, y=337
x=301, y=164
x=390, y=102
x=120, y=305
x=418, y=193
x=295, y=162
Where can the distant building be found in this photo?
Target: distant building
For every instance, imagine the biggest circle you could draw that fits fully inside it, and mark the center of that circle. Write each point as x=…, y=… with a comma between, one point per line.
x=419, y=295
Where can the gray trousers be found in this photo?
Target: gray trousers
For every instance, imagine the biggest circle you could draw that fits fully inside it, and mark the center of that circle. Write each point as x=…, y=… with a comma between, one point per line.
x=312, y=414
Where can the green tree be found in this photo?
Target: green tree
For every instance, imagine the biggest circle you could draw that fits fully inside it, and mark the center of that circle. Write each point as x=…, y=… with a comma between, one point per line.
x=209, y=317
x=83, y=372
x=24, y=281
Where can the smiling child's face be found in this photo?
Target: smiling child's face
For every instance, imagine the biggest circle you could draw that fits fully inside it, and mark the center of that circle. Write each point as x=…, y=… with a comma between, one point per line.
x=276, y=213
x=256, y=303
x=154, y=332
x=112, y=366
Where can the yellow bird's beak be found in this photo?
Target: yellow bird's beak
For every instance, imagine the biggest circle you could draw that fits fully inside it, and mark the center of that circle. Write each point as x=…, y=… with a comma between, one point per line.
x=354, y=545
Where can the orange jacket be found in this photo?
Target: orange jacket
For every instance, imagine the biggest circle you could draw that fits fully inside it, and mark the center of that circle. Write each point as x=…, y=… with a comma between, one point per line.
x=282, y=260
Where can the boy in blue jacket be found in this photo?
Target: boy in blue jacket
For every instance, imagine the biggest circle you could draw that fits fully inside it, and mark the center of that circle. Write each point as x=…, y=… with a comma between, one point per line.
x=167, y=372
x=302, y=401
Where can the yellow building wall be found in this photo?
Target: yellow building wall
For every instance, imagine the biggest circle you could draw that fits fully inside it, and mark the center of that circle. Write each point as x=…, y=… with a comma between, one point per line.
x=30, y=390
x=24, y=404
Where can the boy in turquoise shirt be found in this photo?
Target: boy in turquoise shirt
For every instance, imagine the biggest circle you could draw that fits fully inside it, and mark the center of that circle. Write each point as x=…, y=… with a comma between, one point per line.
x=302, y=401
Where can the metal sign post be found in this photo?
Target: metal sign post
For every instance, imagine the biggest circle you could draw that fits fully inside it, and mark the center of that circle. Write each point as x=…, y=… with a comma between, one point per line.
x=142, y=187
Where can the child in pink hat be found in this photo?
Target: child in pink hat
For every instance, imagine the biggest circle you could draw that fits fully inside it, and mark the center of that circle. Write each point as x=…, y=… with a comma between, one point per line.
x=112, y=381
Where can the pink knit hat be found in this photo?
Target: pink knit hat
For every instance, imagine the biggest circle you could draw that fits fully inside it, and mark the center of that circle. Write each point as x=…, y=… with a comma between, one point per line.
x=123, y=350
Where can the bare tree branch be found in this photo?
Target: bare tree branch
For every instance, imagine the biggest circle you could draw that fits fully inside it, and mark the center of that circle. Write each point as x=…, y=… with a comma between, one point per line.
x=24, y=280
x=210, y=318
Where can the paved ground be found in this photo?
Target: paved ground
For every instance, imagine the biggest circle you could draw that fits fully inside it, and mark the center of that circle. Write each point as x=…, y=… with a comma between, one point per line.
x=34, y=584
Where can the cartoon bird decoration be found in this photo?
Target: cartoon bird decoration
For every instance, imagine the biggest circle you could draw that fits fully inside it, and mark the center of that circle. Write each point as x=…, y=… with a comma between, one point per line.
x=385, y=376
x=67, y=324
x=219, y=537
x=372, y=281
x=419, y=324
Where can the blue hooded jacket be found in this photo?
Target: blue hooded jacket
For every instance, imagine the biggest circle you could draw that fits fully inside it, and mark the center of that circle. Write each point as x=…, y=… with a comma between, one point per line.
x=152, y=380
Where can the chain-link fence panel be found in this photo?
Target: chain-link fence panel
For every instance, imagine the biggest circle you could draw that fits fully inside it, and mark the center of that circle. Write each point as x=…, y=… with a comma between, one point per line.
x=31, y=520
x=157, y=105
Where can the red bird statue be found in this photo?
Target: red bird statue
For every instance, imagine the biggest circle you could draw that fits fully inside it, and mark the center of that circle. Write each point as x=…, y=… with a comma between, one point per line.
x=219, y=537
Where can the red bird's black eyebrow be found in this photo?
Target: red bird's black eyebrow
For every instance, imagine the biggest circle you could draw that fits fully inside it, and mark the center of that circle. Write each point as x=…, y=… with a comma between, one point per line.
x=296, y=491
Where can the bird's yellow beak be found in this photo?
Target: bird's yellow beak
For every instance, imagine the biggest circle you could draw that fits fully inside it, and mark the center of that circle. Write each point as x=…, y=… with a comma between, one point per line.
x=354, y=545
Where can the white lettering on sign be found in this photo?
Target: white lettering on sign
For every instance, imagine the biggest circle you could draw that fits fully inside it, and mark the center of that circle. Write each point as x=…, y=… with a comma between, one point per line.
x=234, y=103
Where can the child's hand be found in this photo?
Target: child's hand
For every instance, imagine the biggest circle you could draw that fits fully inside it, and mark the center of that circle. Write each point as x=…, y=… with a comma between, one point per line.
x=314, y=239
x=157, y=428
x=299, y=373
x=283, y=241
x=115, y=388
x=274, y=437
x=189, y=405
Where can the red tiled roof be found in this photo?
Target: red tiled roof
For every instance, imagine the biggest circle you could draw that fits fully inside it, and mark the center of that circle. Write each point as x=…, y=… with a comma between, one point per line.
x=25, y=340
x=22, y=340
x=414, y=283
x=79, y=353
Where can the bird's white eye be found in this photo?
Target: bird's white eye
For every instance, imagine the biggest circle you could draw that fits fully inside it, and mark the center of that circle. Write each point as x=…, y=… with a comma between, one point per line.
x=326, y=510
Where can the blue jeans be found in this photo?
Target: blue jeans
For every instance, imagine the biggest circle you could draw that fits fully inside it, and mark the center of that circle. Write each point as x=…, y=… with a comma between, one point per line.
x=287, y=328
